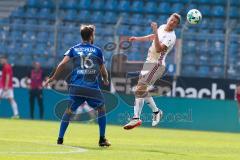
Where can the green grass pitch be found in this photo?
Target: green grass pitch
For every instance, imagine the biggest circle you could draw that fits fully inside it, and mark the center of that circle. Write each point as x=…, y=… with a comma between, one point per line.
x=35, y=140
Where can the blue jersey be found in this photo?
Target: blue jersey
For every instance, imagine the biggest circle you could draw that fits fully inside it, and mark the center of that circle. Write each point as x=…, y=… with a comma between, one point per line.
x=86, y=59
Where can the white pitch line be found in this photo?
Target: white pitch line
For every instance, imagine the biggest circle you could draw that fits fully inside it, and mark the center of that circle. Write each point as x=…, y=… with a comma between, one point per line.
x=74, y=149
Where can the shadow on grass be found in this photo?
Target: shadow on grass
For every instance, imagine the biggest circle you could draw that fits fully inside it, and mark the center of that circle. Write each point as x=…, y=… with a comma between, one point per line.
x=88, y=148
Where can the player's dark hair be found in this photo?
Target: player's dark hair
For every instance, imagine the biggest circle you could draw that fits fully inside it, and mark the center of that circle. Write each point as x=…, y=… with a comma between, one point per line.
x=87, y=31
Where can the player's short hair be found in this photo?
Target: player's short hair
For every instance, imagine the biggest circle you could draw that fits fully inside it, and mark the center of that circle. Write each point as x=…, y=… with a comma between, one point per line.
x=87, y=31
x=178, y=16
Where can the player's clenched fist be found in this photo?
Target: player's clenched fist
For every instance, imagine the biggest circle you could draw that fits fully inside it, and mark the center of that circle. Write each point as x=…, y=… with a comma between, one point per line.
x=106, y=82
x=48, y=81
x=132, y=39
x=154, y=26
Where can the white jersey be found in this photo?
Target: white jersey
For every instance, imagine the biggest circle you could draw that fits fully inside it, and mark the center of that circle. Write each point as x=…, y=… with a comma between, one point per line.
x=168, y=39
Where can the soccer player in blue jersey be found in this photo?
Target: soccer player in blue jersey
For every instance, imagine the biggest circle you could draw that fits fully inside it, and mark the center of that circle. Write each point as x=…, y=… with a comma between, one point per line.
x=88, y=65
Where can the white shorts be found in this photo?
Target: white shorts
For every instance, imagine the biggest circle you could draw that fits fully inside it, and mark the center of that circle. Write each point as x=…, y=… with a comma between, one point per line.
x=151, y=72
x=83, y=109
x=6, y=94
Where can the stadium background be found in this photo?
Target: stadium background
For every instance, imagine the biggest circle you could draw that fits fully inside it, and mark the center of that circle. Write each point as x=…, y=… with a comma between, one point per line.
x=205, y=54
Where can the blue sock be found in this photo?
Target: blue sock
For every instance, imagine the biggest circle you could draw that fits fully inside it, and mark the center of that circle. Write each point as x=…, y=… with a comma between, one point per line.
x=102, y=123
x=64, y=124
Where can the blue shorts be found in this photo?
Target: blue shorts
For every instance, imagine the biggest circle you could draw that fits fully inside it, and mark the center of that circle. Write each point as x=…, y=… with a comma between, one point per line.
x=76, y=101
x=79, y=94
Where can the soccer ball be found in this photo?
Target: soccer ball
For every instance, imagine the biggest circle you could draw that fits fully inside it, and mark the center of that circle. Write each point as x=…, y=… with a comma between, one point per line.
x=194, y=16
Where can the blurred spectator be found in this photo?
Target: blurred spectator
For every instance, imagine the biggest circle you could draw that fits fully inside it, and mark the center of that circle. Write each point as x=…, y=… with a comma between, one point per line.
x=36, y=89
x=6, y=85
x=238, y=100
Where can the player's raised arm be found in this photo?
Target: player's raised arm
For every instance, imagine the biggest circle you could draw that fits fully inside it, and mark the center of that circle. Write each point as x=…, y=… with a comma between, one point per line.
x=149, y=37
x=160, y=47
x=104, y=74
x=58, y=70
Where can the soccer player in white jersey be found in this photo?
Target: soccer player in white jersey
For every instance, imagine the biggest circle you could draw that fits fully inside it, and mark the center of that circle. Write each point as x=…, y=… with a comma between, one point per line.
x=163, y=40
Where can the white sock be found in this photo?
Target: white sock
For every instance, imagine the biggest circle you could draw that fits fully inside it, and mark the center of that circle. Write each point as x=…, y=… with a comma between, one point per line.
x=139, y=102
x=150, y=102
x=14, y=107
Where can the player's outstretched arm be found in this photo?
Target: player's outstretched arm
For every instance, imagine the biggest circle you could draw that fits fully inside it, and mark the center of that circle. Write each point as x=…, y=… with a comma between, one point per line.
x=149, y=37
x=58, y=70
x=104, y=74
x=160, y=47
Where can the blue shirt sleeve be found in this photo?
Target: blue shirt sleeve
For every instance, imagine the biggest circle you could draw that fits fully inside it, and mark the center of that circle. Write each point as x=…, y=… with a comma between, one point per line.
x=69, y=53
x=101, y=57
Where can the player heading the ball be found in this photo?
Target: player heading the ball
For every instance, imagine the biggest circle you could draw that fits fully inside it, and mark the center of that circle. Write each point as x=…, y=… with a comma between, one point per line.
x=163, y=39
